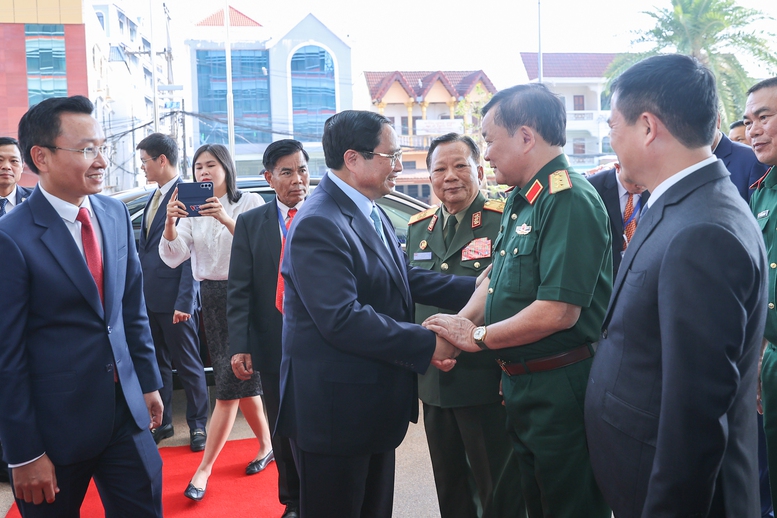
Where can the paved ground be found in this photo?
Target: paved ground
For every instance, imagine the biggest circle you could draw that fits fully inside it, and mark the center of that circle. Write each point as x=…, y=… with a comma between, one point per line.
x=414, y=494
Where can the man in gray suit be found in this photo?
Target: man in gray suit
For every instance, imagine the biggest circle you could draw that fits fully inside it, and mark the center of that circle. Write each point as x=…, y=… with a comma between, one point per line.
x=670, y=400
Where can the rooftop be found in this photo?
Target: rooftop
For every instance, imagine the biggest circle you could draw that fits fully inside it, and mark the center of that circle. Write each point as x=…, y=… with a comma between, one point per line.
x=236, y=19
x=567, y=64
x=418, y=83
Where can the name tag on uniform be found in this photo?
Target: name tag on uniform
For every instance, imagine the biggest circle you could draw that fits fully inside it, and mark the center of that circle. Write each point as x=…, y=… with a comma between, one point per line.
x=422, y=256
x=477, y=249
x=762, y=214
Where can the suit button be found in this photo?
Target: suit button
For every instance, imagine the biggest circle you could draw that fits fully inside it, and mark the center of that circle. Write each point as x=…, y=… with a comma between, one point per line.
x=476, y=265
x=109, y=329
x=771, y=305
x=444, y=267
x=490, y=290
x=604, y=333
x=773, y=265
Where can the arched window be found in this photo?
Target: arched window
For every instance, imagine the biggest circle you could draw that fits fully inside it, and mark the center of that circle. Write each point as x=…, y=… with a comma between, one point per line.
x=312, y=91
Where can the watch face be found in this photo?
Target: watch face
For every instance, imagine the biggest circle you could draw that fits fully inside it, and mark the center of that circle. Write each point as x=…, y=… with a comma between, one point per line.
x=479, y=333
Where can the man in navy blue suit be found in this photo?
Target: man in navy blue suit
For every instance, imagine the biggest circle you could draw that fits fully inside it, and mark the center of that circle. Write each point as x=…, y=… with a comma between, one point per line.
x=740, y=161
x=78, y=377
x=351, y=354
x=171, y=296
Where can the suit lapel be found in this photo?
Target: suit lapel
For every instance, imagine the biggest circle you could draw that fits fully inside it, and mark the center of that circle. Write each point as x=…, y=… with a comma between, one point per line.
x=63, y=248
x=613, y=204
x=271, y=232
x=109, y=230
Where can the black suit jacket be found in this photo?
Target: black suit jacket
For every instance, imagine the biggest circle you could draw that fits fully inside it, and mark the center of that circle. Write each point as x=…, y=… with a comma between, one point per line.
x=741, y=162
x=22, y=193
x=255, y=324
x=351, y=353
x=606, y=184
x=670, y=403
x=165, y=289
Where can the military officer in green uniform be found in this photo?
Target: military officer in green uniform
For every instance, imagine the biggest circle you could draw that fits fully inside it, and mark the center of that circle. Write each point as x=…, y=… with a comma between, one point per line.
x=761, y=128
x=542, y=308
x=463, y=413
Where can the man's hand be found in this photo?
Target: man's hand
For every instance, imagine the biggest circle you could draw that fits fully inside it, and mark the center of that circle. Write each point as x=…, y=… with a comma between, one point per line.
x=455, y=329
x=155, y=408
x=242, y=366
x=180, y=316
x=444, y=355
x=35, y=481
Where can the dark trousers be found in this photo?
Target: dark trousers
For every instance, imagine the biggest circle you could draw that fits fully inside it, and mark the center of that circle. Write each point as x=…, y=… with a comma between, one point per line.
x=128, y=475
x=360, y=486
x=767, y=511
x=473, y=461
x=178, y=344
x=288, y=479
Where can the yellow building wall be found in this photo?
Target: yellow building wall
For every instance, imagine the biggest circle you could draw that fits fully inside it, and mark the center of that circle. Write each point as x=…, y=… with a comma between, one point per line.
x=437, y=94
x=41, y=11
x=395, y=94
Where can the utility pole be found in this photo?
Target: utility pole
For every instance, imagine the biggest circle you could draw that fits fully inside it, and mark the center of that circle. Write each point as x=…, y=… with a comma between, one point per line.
x=539, y=38
x=230, y=97
x=153, y=64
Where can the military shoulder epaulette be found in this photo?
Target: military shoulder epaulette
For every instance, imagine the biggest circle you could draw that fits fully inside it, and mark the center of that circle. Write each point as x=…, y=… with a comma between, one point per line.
x=495, y=205
x=428, y=213
x=559, y=181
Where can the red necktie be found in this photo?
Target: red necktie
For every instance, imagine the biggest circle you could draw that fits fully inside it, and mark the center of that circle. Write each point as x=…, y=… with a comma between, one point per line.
x=279, y=287
x=628, y=231
x=94, y=259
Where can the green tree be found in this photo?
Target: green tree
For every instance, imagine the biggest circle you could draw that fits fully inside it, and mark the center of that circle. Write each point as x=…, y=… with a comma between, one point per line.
x=715, y=32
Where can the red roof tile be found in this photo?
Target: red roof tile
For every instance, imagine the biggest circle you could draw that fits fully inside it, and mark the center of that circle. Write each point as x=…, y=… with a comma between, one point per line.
x=236, y=19
x=418, y=83
x=567, y=64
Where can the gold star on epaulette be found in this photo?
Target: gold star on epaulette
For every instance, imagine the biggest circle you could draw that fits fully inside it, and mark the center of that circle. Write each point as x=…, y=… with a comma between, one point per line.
x=428, y=213
x=495, y=205
x=559, y=181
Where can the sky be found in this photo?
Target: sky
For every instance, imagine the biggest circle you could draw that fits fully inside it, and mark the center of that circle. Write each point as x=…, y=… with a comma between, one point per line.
x=464, y=34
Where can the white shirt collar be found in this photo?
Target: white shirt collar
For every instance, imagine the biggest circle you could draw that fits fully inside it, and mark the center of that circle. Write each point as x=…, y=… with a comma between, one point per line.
x=66, y=210
x=166, y=187
x=285, y=209
x=669, y=182
x=363, y=203
x=12, y=197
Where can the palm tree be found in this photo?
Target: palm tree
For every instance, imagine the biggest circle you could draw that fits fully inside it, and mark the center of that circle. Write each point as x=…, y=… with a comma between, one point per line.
x=715, y=32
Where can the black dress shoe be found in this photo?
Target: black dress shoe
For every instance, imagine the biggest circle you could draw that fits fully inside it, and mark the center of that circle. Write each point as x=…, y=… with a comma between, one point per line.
x=197, y=439
x=163, y=432
x=194, y=493
x=291, y=512
x=255, y=466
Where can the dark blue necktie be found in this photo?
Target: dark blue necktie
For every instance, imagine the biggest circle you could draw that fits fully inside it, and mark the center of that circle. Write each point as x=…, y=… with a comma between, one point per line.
x=3, y=201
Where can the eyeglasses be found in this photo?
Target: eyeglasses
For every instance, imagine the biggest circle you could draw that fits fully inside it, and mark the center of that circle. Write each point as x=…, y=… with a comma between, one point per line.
x=90, y=153
x=149, y=159
x=396, y=156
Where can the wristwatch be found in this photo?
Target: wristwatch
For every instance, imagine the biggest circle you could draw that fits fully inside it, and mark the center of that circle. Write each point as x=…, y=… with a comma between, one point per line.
x=479, y=335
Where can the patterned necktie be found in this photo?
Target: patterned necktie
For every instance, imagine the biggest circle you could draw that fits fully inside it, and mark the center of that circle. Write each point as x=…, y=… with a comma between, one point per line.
x=629, y=229
x=376, y=222
x=152, y=209
x=279, y=285
x=3, y=201
x=94, y=259
x=450, y=231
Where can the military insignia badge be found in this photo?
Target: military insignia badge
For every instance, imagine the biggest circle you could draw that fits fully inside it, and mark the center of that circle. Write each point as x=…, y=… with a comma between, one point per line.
x=477, y=219
x=476, y=249
x=523, y=229
x=432, y=223
x=422, y=256
x=533, y=192
x=559, y=181
x=762, y=214
x=422, y=244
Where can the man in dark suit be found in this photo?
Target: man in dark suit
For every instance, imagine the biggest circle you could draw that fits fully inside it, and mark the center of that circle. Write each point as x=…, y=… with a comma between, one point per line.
x=78, y=377
x=669, y=406
x=171, y=296
x=11, y=194
x=255, y=322
x=740, y=161
x=624, y=201
x=350, y=352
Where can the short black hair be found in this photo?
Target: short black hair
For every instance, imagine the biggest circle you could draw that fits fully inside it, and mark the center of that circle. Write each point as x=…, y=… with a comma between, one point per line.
x=677, y=89
x=10, y=141
x=41, y=125
x=221, y=153
x=452, y=137
x=766, y=83
x=351, y=129
x=280, y=149
x=736, y=124
x=158, y=144
x=531, y=105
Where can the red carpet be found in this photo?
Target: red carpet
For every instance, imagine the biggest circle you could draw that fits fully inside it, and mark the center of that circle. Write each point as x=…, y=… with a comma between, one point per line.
x=230, y=491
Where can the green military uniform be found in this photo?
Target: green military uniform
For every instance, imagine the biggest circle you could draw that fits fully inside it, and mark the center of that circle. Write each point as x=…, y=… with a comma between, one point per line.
x=555, y=245
x=764, y=206
x=463, y=413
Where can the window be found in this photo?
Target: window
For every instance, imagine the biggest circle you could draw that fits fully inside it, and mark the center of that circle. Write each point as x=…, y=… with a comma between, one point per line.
x=312, y=92
x=409, y=164
x=605, y=99
x=133, y=31
x=578, y=146
x=46, y=71
x=404, y=124
x=579, y=101
x=251, y=92
x=101, y=19
x=606, y=147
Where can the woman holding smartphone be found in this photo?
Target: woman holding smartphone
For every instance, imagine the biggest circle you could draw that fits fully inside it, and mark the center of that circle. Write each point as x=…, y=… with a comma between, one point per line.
x=208, y=241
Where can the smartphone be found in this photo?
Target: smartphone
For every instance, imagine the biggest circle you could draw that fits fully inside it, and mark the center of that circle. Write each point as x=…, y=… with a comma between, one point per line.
x=194, y=194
